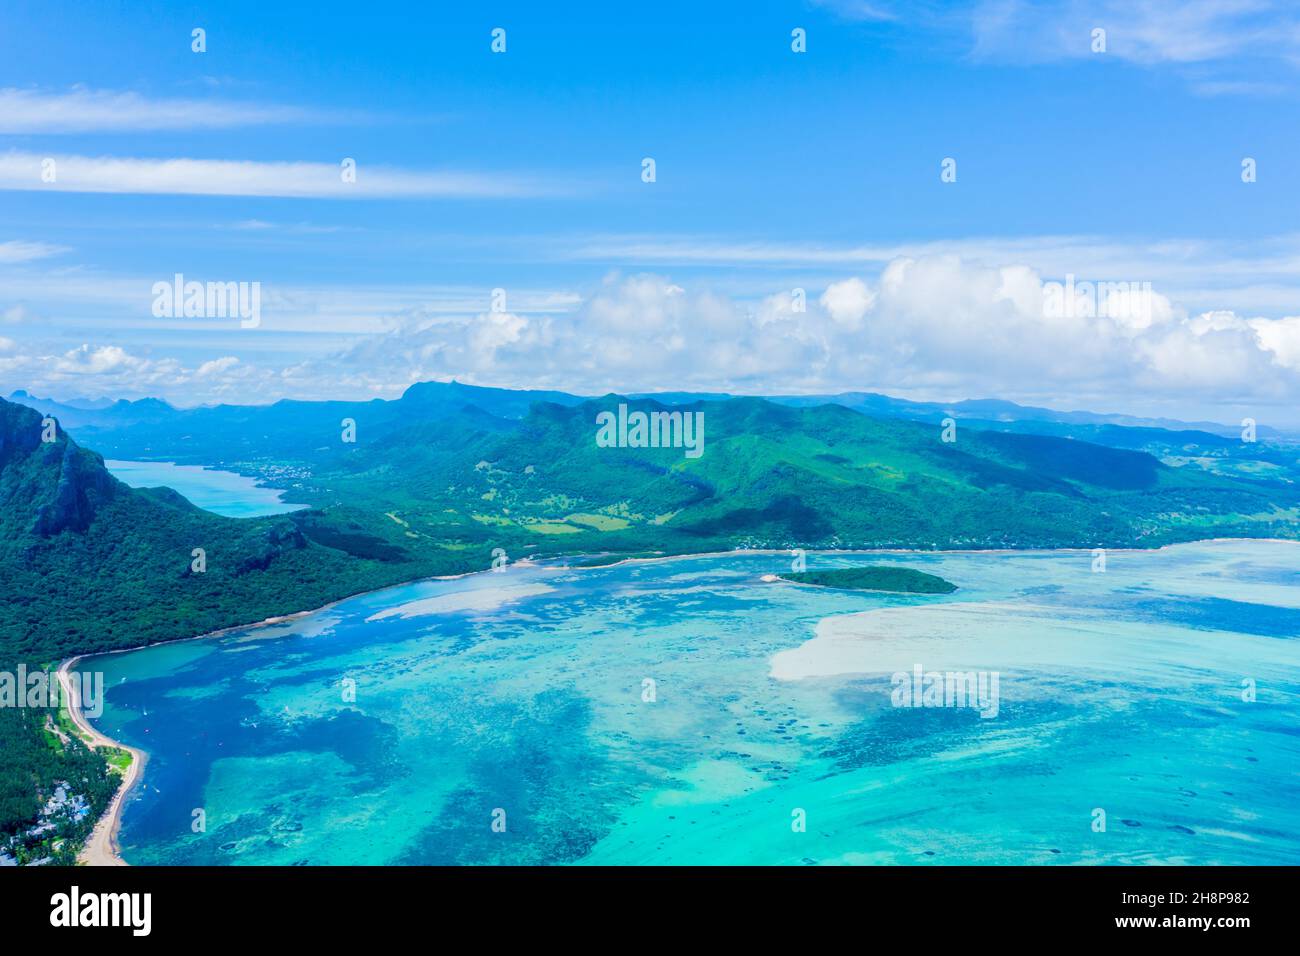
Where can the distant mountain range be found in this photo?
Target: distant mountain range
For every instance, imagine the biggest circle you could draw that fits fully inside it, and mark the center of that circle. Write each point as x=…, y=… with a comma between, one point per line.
x=440, y=479
x=248, y=437
x=990, y=414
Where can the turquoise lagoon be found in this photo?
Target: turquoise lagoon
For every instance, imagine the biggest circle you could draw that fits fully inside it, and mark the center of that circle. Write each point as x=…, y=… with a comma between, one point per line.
x=221, y=492
x=524, y=691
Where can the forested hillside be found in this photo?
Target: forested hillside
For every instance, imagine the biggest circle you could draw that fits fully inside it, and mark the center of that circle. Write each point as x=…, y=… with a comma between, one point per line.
x=436, y=484
x=774, y=476
x=432, y=485
x=90, y=564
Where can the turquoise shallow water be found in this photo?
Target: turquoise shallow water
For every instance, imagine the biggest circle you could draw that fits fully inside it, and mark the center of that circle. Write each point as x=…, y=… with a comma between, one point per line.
x=221, y=492
x=523, y=691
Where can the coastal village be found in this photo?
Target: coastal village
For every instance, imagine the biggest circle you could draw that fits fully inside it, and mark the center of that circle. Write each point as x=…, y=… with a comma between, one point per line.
x=43, y=842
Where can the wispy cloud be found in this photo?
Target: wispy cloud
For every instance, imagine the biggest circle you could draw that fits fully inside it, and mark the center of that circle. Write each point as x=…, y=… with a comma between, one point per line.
x=859, y=10
x=17, y=250
x=1151, y=32
x=221, y=177
x=1237, y=88
x=288, y=228
x=86, y=111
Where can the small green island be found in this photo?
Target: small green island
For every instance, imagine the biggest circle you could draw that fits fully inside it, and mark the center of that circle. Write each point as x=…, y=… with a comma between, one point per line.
x=903, y=580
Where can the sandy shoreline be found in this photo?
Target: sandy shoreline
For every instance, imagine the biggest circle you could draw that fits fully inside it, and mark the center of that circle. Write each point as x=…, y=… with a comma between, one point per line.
x=102, y=848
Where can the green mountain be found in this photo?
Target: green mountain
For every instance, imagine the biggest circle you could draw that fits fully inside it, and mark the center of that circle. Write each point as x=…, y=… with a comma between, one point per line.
x=776, y=476
x=437, y=484
x=90, y=564
x=249, y=438
x=433, y=484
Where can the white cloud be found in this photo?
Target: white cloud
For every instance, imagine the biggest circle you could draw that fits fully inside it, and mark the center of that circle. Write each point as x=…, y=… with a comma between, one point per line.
x=219, y=177
x=1151, y=32
x=1238, y=88
x=936, y=324
x=216, y=366
x=931, y=327
x=82, y=110
x=294, y=228
x=97, y=361
x=16, y=250
x=631, y=333
x=848, y=301
x=1281, y=337
x=1219, y=47
x=860, y=10
x=110, y=370
x=1257, y=274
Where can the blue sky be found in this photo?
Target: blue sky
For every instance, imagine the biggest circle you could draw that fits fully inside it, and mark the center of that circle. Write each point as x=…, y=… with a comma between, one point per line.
x=775, y=171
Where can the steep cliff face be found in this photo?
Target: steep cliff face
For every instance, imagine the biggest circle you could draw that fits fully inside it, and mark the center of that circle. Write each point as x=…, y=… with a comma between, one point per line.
x=20, y=431
x=83, y=485
x=55, y=485
x=88, y=563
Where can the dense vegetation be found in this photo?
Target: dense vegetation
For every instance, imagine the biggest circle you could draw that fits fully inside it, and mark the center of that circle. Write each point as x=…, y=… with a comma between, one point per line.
x=875, y=578
x=774, y=476
x=33, y=761
x=291, y=430
x=435, y=484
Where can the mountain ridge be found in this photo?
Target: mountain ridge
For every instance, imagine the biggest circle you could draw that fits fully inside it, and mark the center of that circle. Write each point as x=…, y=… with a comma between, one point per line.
x=990, y=411
x=433, y=485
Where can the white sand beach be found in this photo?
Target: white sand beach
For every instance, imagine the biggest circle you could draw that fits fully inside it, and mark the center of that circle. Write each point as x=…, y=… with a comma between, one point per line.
x=102, y=847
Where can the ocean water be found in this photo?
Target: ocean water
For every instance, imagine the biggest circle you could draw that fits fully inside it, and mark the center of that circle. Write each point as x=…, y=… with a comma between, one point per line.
x=221, y=492
x=1163, y=693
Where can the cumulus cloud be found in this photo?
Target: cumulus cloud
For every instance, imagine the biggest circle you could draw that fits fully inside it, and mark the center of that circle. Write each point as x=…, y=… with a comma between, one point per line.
x=216, y=366
x=931, y=323
x=630, y=333
x=848, y=302
x=105, y=358
x=933, y=327
x=98, y=370
x=1281, y=337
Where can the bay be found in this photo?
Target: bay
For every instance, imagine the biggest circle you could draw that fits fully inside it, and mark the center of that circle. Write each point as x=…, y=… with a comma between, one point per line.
x=221, y=492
